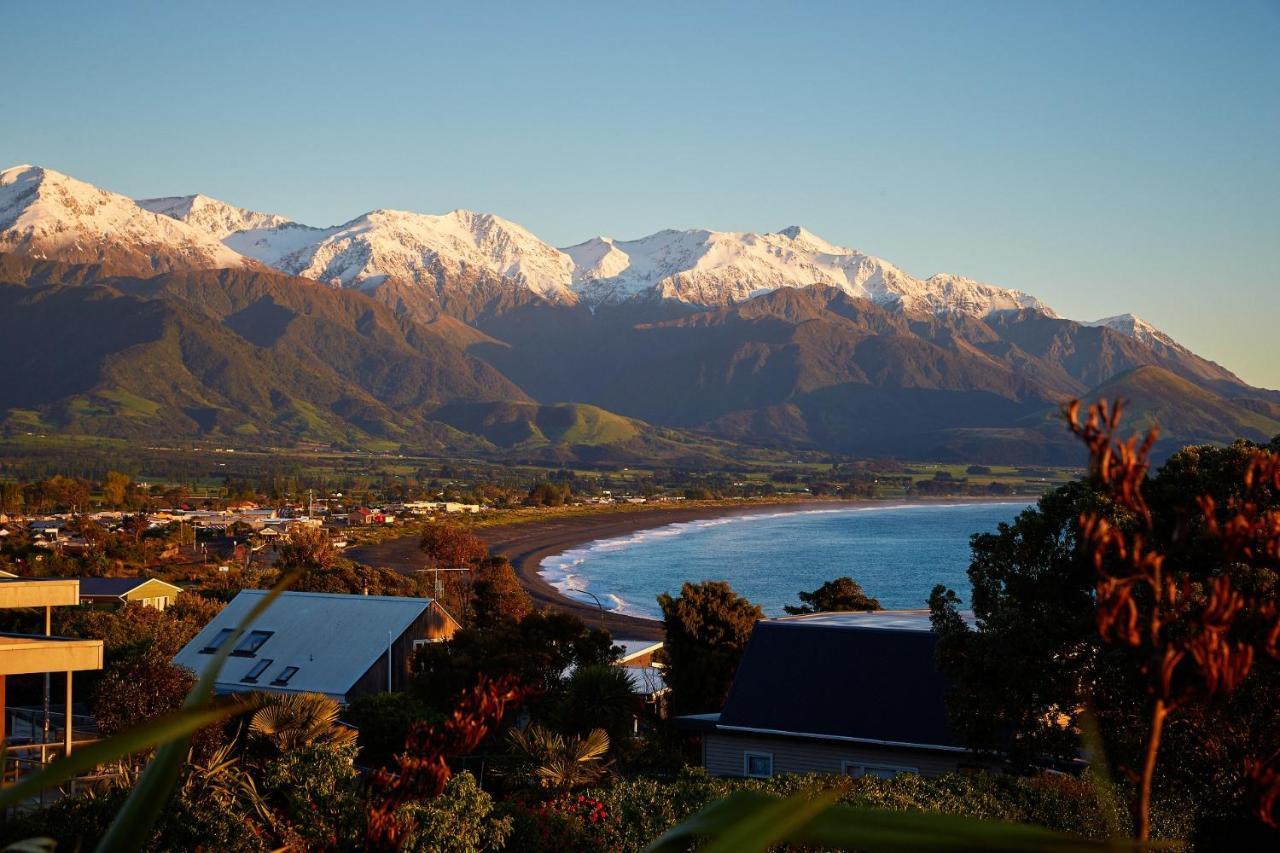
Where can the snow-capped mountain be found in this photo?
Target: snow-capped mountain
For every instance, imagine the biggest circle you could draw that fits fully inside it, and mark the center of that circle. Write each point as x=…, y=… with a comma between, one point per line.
x=46, y=214
x=721, y=268
x=214, y=217
x=1138, y=329
x=413, y=247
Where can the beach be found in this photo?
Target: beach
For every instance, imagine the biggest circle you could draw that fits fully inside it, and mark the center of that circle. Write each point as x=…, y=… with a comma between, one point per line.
x=526, y=544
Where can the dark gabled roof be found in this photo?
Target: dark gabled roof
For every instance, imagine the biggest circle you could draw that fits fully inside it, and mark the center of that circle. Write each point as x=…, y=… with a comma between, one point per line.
x=109, y=586
x=839, y=681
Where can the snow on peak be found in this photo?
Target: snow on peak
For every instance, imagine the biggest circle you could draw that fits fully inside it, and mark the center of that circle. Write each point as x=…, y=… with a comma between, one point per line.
x=210, y=215
x=1137, y=328
x=42, y=211
x=46, y=214
x=721, y=267
x=413, y=247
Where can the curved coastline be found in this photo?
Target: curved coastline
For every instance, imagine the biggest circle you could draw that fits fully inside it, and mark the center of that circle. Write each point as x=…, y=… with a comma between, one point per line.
x=527, y=543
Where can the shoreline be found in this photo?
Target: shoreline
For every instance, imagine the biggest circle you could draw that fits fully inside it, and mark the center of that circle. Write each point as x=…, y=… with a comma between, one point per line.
x=527, y=543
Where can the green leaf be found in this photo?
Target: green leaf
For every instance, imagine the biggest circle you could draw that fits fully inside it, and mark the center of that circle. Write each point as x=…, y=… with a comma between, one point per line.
x=32, y=845
x=771, y=823
x=160, y=730
x=750, y=821
x=132, y=827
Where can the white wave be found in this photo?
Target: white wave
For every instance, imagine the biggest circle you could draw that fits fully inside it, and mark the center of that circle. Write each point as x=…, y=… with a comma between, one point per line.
x=560, y=570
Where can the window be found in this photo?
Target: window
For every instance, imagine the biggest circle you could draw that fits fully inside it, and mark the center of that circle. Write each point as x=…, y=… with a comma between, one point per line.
x=249, y=645
x=258, y=668
x=285, y=674
x=217, y=641
x=757, y=765
x=879, y=771
x=417, y=644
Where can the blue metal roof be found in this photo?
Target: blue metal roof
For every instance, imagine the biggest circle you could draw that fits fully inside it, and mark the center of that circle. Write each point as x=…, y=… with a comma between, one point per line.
x=332, y=639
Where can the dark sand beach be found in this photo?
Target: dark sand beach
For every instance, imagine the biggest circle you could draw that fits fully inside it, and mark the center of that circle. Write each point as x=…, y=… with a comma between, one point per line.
x=526, y=544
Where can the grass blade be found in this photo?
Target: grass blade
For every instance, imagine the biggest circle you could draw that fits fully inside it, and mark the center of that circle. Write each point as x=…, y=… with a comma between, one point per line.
x=751, y=821
x=131, y=828
x=152, y=733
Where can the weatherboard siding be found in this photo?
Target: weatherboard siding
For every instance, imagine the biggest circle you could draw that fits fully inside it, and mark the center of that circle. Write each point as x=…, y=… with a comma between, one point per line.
x=432, y=624
x=723, y=755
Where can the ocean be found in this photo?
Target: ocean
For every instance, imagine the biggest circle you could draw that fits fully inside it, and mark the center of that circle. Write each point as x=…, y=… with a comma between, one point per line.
x=897, y=552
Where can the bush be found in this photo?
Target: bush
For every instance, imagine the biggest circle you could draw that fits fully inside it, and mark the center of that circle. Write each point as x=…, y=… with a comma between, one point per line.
x=460, y=820
x=383, y=721
x=317, y=786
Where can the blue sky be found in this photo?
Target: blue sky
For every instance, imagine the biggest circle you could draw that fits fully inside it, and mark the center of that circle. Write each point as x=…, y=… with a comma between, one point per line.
x=1107, y=157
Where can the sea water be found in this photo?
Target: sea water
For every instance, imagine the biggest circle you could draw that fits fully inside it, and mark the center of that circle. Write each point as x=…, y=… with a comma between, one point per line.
x=896, y=552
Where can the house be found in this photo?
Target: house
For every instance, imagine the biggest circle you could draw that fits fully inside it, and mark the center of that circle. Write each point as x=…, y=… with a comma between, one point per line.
x=28, y=654
x=311, y=642
x=848, y=693
x=150, y=592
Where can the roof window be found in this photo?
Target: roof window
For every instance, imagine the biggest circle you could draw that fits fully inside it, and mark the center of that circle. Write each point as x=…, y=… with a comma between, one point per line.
x=250, y=644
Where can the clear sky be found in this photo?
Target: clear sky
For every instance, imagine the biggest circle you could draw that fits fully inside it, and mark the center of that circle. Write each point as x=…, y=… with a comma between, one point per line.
x=1107, y=157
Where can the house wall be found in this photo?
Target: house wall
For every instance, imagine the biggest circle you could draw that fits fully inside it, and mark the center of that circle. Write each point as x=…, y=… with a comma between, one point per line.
x=723, y=754
x=432, y=624
x=154, y=589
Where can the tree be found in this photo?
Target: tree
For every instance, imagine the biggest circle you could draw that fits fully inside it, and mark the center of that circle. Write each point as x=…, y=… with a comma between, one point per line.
x=497, y=594
x=139, y=689
x=306, y=549
x=114, y=488
x=600, y=696
x=839, y=595
x=1023, y=678
x=450, y=545
x=548, y=494
x=707, y=628
x=537, y=651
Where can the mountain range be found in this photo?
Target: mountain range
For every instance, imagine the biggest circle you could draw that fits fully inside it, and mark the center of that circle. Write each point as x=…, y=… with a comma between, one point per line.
x=464, y=332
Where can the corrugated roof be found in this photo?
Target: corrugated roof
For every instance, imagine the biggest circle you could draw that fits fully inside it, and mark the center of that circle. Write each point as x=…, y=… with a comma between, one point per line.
x=898, y=620
x=814, y=678
x=332, y=639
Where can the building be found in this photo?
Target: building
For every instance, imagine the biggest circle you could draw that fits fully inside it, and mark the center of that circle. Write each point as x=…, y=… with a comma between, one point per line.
x=25, y=654
x=848, y=693
x=311, y=642
x=113, y=592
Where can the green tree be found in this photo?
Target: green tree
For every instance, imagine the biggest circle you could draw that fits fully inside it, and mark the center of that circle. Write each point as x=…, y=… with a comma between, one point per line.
x=114, y=488
x=600, y=696
x=707, y=628
x=460, y=820
x=537, y=651
x=841, y=594
x=1023, y=678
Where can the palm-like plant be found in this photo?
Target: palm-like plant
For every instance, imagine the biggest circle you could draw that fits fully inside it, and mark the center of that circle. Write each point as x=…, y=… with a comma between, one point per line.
x=600, y=697
x=223, y=780
x=288, y=721
x=563, y=763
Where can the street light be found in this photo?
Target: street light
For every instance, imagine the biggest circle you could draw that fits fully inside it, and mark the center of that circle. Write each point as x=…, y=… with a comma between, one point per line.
x=598, y=604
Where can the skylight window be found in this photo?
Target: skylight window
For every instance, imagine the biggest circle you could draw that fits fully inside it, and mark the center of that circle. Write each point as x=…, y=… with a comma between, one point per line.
x=249, y=645
x=285, y=674
x=258, y=668
x=217, y=641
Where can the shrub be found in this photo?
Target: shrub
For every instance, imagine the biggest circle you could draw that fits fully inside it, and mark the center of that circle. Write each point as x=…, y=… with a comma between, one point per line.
x=461, y=820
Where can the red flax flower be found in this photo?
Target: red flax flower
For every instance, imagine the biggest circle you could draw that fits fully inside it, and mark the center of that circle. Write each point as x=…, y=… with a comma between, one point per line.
x=422, y=770
x=1200, y=639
